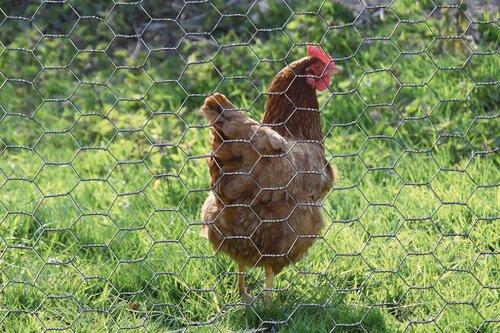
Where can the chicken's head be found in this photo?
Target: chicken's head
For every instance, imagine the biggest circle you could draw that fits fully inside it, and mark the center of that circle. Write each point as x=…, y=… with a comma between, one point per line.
x=320, y=69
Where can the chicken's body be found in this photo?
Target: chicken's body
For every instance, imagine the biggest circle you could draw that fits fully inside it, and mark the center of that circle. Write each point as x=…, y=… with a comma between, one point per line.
x=267, y=180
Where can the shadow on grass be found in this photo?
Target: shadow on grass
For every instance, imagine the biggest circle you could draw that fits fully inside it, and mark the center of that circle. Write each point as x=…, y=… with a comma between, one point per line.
x=300, y=304
x=332, y=316
x=286, y=314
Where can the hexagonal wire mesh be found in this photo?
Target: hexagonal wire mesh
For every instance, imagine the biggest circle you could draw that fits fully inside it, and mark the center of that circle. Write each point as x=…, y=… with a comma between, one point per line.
x=102, y=164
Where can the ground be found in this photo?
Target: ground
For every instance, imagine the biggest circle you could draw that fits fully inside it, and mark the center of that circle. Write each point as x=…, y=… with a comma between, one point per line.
x=103, y=172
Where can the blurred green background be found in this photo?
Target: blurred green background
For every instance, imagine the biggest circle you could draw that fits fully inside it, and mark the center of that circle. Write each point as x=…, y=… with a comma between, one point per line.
x=102, y=170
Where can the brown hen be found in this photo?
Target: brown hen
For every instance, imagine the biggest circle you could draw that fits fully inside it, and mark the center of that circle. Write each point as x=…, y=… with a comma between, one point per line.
x=269, y=179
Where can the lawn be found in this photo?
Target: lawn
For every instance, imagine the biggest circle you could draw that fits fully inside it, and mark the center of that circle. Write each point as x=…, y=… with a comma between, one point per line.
x=103, y=173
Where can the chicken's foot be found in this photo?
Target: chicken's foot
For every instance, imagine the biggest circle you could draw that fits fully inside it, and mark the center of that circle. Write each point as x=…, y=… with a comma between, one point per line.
x=242, y=286
x=269, y=285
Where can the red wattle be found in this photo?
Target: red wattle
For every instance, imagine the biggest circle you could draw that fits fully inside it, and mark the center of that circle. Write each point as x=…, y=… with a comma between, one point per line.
x=323, y=83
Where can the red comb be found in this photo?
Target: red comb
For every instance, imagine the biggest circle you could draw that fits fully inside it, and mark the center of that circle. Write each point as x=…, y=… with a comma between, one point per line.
x=317, y=52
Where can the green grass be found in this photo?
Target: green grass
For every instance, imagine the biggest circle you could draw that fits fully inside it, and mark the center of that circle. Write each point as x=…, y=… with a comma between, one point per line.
x=100, y=196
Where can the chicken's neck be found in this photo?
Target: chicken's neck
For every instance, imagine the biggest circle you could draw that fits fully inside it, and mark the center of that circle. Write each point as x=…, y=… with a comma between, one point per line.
x=293, y=105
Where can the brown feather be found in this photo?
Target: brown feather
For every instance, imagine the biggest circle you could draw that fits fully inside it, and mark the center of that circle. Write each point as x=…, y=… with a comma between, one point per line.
x=293, y=104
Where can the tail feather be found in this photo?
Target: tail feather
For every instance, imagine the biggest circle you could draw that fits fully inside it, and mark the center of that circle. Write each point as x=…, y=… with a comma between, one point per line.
x=228, y=123
x=237, y=143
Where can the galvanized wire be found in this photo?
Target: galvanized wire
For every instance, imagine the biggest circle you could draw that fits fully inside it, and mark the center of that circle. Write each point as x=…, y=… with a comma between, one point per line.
x=183, y=28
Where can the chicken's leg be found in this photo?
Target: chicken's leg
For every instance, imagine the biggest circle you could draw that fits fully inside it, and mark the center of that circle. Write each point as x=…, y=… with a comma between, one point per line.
x=242, y=286
x=269, y=285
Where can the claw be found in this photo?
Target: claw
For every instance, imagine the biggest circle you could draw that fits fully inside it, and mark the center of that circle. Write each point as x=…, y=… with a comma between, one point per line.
x=246, y=297
x=242, y=286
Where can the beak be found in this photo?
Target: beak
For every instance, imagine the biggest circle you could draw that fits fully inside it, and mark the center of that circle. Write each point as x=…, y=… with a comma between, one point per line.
x=336, y=70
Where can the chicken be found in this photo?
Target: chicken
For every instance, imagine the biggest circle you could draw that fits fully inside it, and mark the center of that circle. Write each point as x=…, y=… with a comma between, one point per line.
x=268, y=180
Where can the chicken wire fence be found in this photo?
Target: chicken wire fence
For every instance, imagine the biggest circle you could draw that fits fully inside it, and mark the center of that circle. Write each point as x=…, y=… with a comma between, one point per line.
x=103, y=174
